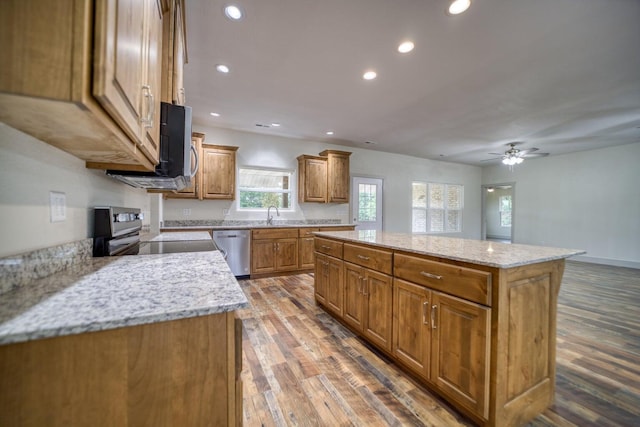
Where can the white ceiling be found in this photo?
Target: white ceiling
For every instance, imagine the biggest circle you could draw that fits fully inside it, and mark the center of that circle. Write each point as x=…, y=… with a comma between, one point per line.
x=559, y=75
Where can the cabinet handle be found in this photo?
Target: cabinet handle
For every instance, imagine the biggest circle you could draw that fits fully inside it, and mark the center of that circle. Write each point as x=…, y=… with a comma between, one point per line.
x=365, y=284
x=430, y=275
x=433, y=316
x=148, y=120
x=326, y=247
x=425, y=307
x=366, y=258
x=183, y=101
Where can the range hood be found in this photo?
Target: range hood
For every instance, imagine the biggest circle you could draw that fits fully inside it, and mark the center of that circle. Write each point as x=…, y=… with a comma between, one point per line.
x=174, y=171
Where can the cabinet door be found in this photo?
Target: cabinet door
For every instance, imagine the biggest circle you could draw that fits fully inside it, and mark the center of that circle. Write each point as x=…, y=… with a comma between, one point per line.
x=337, y=175
x=123, y=51
x=286, y=254
x=306, y=249
x=335, y=287
x=179, y=57
x=321, y=278
x=378, y=293
x=353, y=296
x=312, y=179
x=411, y=327
x=218, y=172
x=461, y=338
x=263, y=256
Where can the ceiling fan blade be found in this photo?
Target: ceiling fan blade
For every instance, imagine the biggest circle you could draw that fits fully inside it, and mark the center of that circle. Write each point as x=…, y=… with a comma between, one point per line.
x=531, y=156
x=496, y=154
x=528, y=150
x=490, y=160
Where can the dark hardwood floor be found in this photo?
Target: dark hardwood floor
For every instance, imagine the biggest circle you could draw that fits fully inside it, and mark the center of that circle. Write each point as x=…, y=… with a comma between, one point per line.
x=302, y=368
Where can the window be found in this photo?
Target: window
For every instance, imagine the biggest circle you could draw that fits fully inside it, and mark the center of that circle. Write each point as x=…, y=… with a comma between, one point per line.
x=436, y=208
x=504, y=206
x=260, y=188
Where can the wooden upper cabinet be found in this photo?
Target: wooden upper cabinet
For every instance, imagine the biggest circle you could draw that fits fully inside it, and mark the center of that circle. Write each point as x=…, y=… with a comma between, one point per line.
x=174, y=54
x=218, y=165
x=126, y=83
x=312, y=179
x=86, y=76
x=337, y=176
x=324, y=178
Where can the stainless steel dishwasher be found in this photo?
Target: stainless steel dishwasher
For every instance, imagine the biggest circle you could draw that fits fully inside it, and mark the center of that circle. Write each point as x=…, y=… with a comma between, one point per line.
x=235, y=246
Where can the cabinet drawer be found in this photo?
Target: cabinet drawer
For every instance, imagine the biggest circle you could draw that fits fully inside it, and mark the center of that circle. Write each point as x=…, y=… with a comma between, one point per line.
x=329, y=247
x=274, y=233
x=375, y=259
x=467, y=283
x=307, y=231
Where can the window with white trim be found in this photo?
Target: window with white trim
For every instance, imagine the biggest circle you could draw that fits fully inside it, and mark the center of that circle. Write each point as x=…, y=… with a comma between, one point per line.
x=260, y=188
x=436, y=208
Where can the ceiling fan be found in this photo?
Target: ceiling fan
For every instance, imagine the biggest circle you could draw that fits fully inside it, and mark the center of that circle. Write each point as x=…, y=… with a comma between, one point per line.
x=515, y=156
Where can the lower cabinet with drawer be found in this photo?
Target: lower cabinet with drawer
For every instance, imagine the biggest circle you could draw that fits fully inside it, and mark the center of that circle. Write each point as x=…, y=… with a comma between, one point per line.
x=274, y=250
x=445, y=340
x=481, y=336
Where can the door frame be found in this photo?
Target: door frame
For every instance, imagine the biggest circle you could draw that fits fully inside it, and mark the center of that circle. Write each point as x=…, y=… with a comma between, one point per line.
x=354, y=193
x=483, y=219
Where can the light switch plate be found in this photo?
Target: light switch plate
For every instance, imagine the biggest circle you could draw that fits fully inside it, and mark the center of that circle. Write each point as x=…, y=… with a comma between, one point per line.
x=186, y=212
x=57, y=206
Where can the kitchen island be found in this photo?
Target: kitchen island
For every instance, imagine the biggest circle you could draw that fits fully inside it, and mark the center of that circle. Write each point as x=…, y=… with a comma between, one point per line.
x=474, y=321
x=132, y=340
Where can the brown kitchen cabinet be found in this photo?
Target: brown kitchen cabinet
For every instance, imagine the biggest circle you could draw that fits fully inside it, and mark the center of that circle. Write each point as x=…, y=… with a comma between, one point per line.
x=329, y=292
x=306, y=247
x=444, y=340
x=368, y=292
x=274, y=250
x=337, y=175
x=458, y=326
x=218, y=174
x=66, y=70
x=174, y=53
x=312, y=179
x=184, y=372
x=324, y=178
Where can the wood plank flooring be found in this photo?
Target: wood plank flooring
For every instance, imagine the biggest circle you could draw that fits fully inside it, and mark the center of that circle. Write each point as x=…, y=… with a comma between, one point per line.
x=302, y=368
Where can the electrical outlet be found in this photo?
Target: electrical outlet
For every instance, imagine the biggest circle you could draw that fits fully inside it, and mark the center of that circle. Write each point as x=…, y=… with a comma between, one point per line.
x=186, y=212
x=57, y=206
x=225, y=212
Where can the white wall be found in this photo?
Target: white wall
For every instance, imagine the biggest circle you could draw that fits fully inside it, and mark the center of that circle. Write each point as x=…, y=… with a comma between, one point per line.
x=29, y=170
x=397, y=171
x=586, y=200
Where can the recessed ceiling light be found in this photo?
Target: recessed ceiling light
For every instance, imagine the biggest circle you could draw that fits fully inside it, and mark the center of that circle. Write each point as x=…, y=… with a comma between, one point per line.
x=330, y=132
x=369, y=75
x=222, y=68
x=275, y=125
x=405, y=47
x=458, y=6
x=233, y=12
x=215, y=114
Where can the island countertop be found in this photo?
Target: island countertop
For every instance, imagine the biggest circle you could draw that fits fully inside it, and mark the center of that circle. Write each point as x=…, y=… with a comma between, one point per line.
x=113, y=292
x=482, y=252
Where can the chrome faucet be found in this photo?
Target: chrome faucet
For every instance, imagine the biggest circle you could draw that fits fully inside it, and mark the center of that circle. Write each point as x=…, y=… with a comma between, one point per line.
x=269, y=217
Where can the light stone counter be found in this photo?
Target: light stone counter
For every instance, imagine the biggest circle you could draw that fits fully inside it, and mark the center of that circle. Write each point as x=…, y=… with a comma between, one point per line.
x=492, y=254
x=175, y=236
x=113, y=292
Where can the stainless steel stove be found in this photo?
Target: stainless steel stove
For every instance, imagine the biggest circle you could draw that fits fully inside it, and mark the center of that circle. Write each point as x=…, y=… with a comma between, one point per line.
x=117, y=232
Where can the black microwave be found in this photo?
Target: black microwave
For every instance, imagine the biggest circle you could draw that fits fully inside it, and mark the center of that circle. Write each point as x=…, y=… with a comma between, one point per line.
x=174, y=171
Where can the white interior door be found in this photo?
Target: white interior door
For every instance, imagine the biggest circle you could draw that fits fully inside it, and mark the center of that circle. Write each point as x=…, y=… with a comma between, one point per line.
x=366, y=203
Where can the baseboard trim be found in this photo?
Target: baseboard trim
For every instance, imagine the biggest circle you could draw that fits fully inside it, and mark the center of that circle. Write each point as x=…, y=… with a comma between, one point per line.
x=606, y=261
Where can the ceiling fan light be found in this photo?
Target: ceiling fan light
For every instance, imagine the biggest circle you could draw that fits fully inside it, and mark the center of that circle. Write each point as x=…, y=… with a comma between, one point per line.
x=458, y=6
x=519, y=160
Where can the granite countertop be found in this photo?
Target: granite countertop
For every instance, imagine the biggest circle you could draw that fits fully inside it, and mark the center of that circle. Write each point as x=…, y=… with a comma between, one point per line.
x=244, y=225
x=113, y=292
x=482, y=252
x=175, y=236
